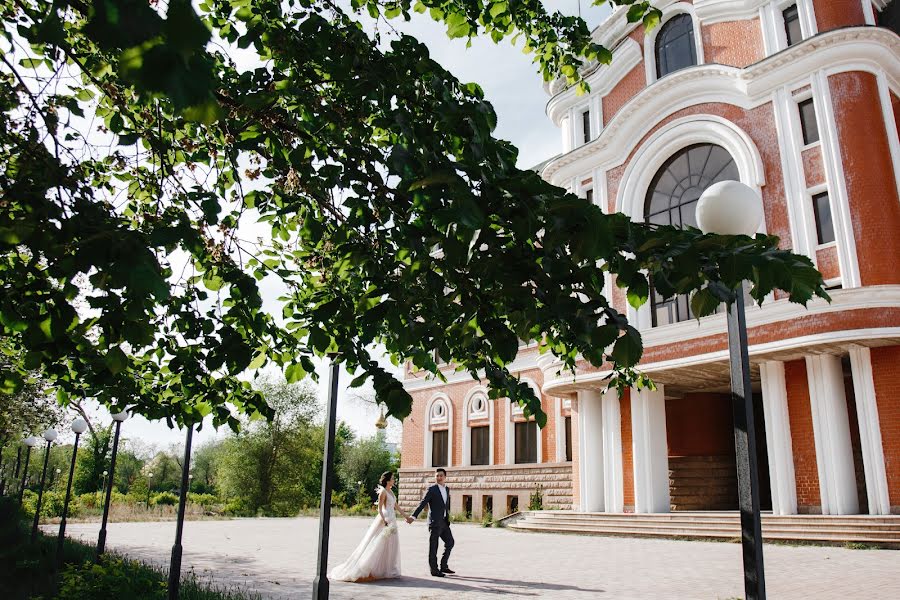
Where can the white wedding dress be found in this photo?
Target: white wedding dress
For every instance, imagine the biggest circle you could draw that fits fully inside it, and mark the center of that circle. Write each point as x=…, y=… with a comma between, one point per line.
x=378, y=554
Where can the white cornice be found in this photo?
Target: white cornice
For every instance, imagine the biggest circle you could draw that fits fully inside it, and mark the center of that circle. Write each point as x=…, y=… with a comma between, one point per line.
x=869, y=49
x=718, y=11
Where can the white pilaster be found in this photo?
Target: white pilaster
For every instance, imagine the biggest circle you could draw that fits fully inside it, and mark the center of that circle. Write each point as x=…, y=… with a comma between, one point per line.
x=651, y=454
x=613, y=494
x=831, y=429
x=778, y=438
x=869, y=431
x=590, y=413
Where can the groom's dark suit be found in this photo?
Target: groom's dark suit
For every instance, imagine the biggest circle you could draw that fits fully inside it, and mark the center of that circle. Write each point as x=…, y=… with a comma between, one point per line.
x=438, y=525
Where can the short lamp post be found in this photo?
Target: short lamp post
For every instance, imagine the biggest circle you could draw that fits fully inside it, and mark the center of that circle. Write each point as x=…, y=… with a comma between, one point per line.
x=79, y=426
x=101, y=540
x=733, y=208
x=149, y=480
x=30, y=442
x=50, y=436
x=320, y=582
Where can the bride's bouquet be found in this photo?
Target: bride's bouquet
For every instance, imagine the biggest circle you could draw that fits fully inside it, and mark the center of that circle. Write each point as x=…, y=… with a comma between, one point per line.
x=389, y=530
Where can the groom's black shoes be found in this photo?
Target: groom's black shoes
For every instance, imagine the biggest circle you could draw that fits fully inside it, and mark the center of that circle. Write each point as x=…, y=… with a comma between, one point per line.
x=437, y=574
x=447, y=570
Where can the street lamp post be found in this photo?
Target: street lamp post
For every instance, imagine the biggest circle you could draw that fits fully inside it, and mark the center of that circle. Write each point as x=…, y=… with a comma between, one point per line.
x=149, y=479
x=733, y=208
x=30, y=442
x=175, y=561
x=15, y=476
x=49, y=435
x=79, y=426
x=320, y=583
x=101, y=540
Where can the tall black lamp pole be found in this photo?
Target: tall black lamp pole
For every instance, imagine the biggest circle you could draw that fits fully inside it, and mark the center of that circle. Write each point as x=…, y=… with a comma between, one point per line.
x=320, y=583
x=110, y=480
x=733, y=208
x=175, y=561
x=79, y=426
x=30, y=442
x=49, y=435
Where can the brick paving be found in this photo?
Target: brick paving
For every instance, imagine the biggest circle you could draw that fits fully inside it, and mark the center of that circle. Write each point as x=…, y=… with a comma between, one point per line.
x=277, y=559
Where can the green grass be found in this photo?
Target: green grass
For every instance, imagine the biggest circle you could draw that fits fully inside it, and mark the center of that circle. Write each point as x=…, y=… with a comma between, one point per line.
x=28, y=570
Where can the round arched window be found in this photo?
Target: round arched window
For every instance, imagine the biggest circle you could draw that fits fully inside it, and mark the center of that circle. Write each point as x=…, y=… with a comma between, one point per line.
x=672, y=200
x=675, y=47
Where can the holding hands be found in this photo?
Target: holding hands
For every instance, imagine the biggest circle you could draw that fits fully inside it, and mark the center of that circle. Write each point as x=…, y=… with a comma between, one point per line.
x=409, y=519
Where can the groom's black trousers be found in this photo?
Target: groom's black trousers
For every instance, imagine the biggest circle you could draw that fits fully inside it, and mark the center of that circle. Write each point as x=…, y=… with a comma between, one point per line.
x=439, y=531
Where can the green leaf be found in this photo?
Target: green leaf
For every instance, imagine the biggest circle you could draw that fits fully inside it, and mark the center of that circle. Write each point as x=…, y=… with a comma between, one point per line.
x=704, y=303
x=258, y=360
x=115, y=360
x=638, y=291
x=628, y=349
x=294, y=373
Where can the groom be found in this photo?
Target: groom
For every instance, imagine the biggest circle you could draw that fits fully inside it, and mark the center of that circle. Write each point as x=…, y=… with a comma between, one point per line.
x=437, y=498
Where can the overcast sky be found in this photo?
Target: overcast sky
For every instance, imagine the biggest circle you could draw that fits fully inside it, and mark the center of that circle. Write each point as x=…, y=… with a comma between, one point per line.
x=512, y=84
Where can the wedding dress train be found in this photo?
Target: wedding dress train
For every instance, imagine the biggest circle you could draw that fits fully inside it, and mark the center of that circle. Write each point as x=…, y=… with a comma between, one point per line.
x=378, y=554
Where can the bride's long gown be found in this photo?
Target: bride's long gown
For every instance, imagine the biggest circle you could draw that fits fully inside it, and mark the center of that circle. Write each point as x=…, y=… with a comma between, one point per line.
x=378, y=554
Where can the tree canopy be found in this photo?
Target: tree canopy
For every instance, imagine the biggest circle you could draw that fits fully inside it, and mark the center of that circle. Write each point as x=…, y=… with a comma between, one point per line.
x=178, y=159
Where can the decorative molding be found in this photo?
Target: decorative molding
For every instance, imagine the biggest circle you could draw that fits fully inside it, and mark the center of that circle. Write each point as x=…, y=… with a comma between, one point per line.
x=869, y=431
x=479, y=392
x=719, y=11
x=445, y=399
x=869, y=49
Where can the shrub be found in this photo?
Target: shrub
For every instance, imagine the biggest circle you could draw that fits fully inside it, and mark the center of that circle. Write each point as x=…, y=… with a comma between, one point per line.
x=163, y=499
x=202, y=499
x=536, y=500
x=487, y=520
x=51, y=504
x=112, y=578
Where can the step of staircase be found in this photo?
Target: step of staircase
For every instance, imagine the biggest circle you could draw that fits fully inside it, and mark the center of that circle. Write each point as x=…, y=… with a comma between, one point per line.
x=877, y=530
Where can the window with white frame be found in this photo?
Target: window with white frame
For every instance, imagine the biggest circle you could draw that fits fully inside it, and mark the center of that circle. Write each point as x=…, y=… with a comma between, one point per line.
x=526, y=442
x=439, y=434
x=809, y=126
x=822, y=214
x=586, y=126
x=440, y=445
x=675, y=47
x=478, y=417
x=793, y=31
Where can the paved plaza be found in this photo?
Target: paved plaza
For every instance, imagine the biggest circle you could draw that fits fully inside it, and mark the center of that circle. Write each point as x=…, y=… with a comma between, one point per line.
x=277, y=559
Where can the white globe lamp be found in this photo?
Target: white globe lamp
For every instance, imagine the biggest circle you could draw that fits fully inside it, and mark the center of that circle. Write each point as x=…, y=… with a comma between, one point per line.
x=79, y=426
x=50, y=434
x=729, y=208
x=31, y=441
x=120, y=416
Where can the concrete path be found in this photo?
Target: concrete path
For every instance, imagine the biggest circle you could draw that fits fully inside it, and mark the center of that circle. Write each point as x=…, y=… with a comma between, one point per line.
x=277, y=559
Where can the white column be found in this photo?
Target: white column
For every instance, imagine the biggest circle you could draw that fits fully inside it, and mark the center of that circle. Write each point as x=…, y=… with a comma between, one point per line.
x=613, y=495
x=778, y=438
x=831, y=429
x=590, y=413
x=869, y=431
x=651, y=454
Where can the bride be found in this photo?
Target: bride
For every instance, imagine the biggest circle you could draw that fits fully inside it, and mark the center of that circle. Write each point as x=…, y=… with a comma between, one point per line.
x=378, y=554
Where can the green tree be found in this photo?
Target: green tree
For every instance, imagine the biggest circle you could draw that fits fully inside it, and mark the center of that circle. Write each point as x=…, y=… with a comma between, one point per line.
x=166, y=472
x=93, y=459
x=392, y=217
x=128, y=468
x=365, y=460
x=204, y=466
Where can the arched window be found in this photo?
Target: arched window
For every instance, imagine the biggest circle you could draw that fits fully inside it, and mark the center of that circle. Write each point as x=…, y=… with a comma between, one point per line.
x=675, y=47
x=439, y=432
x=478, y=433
x=672, y=200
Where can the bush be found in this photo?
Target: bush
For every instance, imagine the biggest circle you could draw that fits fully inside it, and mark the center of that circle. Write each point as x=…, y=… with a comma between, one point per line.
x=536, y=501
x=163, y=499
x=51, y=504
x=202, y=499
x=487, y=520
x=111, y=579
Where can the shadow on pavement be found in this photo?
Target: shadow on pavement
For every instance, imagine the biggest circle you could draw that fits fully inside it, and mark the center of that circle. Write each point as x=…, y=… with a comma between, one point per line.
x=486, y=585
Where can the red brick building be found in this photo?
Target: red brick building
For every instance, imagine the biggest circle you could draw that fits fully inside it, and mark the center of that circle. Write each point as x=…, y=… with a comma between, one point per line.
x=799, y=100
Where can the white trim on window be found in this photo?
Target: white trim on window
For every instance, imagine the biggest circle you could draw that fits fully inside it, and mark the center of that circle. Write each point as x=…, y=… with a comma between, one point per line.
x=679, y=8
x=771, y=18
x=447, y=417
x=477, y=393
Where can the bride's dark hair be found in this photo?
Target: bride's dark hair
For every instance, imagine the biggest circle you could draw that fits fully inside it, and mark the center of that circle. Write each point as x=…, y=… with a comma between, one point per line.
x=385, y=477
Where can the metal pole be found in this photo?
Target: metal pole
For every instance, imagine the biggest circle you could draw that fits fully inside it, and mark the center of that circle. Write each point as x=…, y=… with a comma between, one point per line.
x=745, y=450
x=15, y=476
x=101, y=540
x=320, y=583
x=175, y=562
x=37, y=509
x=24, y=474
x=62, y=522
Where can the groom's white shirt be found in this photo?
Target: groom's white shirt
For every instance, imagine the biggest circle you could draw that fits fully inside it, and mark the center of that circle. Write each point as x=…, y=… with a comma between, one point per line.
x=443, y=489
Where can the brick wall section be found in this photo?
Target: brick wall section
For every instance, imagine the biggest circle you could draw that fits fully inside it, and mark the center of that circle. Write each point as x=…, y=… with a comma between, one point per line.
x=699, y=425
x=625, y=90
x=827, y=262
x=627, y=452
x=869, y=174
x=832, y=14
x=885, y=369
x=759, y=124
x=804, y=446
x=719, y=43
x=813, y=167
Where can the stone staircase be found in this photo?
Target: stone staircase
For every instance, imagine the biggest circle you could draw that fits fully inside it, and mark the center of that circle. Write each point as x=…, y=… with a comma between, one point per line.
x=882, y=531
x=702, y=483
